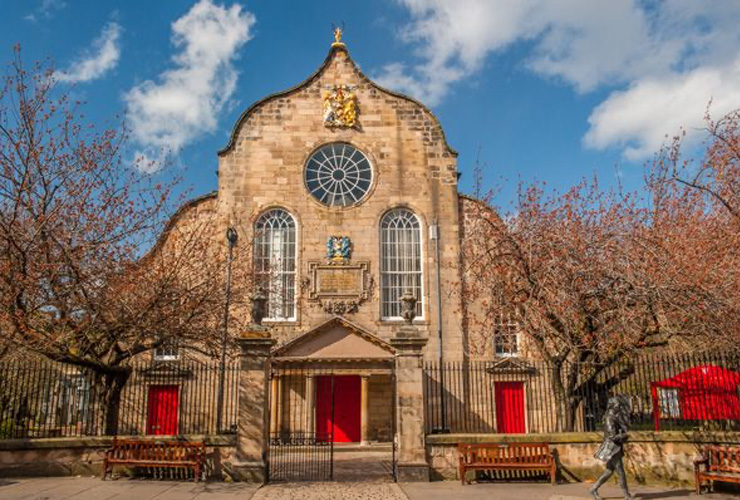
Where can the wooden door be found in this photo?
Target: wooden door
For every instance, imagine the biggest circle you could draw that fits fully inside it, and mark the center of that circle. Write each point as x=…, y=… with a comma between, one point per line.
x=346, y=422
x=163, y=410
x=510, y=407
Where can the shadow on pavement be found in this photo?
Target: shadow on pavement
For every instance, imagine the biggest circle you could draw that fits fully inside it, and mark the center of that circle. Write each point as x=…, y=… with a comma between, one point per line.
x=665, y=494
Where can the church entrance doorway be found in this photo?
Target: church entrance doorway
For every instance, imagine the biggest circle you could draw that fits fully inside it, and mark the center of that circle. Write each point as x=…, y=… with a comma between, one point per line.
x=341, y=420
x=331, y=423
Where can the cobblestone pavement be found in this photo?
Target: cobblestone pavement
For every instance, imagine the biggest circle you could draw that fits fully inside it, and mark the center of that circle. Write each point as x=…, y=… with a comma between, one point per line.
x=359, y=475
x=363, y=466
x=331, y=491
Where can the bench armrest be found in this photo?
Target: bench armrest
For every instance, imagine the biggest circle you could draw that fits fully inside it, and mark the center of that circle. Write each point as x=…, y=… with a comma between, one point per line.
x=699, y=461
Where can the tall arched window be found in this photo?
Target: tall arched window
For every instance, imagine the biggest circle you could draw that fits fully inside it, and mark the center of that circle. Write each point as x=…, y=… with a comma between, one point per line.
x=275, y=262
x=400, y=268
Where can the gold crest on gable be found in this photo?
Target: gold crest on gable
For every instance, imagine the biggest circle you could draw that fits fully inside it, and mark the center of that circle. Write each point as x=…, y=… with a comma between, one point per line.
x=340, y=107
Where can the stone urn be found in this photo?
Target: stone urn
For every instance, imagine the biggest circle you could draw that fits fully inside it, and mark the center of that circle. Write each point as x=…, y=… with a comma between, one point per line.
x=259, y=303
x=408, y=306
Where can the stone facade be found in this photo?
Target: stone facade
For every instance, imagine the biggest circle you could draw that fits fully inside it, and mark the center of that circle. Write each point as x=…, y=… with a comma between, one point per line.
x=262, y=167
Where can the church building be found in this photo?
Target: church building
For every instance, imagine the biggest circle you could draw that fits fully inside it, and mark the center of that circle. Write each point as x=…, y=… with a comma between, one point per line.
x=348, y=193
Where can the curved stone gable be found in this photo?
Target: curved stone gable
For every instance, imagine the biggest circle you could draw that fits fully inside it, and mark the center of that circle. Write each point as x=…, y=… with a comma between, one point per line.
x=339, y=67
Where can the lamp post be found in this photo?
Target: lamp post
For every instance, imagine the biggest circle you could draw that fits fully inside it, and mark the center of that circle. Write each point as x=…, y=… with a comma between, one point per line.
x=231, y=239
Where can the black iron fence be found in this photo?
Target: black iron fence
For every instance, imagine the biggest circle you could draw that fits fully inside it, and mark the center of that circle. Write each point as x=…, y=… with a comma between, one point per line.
x=315, y=410
x=43, y=399
x=512, y=395
x=302, y=431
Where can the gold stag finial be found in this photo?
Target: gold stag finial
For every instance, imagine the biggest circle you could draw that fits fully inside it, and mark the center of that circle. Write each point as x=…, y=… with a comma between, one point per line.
x=338, y=36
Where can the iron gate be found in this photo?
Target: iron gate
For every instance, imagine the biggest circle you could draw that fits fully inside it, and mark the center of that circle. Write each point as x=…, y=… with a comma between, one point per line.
x=306, y=407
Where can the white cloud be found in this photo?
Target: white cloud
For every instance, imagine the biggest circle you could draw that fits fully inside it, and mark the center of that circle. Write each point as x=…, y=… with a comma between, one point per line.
x=639, y=118
x=185, y=101
x=453, y=37
x=46, y=9
x=641, y=49
x=99, y=59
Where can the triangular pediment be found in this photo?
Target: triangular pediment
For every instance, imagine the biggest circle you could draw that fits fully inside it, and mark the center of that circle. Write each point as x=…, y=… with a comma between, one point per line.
x=511, y=365
x=337, y=339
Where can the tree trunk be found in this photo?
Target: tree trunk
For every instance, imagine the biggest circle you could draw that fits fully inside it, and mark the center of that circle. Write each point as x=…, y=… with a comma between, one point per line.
x=562, y=406
x=573, y=388
x=111, y=384
x=566, y=401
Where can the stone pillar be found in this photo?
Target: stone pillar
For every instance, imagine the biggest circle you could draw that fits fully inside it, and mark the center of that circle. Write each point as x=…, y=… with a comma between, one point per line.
x=310, y=404
x=364, y=422
x=411, y=457
x=254, y=382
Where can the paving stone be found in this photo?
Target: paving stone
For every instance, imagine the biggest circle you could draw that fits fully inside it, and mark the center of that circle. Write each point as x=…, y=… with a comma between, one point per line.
x=373, y=488
x=453, y=490
x=89, y=488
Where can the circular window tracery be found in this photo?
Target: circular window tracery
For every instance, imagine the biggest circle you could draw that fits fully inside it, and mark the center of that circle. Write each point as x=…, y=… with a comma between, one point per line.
x=338, y=175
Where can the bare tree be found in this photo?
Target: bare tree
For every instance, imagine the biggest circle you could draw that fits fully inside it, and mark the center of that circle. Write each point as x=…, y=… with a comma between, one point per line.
x=592, y=276
x=79, y=280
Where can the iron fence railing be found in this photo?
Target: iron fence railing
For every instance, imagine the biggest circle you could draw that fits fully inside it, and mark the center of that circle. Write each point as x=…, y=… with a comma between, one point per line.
x=40, y=399
x=514, y=395
x=508, y=395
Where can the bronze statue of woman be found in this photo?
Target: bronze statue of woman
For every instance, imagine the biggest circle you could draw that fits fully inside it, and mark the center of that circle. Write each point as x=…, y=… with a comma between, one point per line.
x=611, y=451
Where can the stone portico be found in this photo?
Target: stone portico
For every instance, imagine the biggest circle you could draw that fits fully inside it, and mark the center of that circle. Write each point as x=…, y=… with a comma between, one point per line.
x=363, y=368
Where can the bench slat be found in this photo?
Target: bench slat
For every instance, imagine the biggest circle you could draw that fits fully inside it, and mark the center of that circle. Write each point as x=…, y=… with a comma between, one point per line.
x=721, y=463
x=144, y=453
x=506, y=457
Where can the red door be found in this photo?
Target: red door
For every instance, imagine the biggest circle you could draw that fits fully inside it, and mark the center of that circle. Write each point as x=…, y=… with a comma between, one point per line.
x=346, y=425
x=162, y=410
x=510, y=407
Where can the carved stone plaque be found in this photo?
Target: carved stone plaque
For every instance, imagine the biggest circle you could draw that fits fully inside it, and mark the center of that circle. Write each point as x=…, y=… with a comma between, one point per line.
x=348, y=281
x=337, y=281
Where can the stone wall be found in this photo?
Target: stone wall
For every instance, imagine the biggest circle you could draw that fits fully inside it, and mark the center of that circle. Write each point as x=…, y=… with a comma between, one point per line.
x=665, y=457
x=84, y=456
x=380, y=406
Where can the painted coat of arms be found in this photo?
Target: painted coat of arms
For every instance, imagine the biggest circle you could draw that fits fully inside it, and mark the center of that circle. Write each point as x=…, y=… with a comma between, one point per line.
x=338, y=248
x=340, y=107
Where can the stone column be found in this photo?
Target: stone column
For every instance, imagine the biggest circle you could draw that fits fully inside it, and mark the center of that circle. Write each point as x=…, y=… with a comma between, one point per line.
x=251, y=442
x=411, y=457
x=274, y=405
x=280, y=406
x=310, y=405
x=364, y=422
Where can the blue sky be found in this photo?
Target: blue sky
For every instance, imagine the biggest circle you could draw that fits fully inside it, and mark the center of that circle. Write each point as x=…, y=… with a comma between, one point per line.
x=552, y=90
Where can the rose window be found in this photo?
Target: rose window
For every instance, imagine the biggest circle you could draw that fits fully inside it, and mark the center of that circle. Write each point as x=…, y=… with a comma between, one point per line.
x=338, y=175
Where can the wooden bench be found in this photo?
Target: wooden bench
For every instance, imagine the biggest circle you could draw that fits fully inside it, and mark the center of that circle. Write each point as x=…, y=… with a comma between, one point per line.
x=721, y=463
x=147, y=453
x=507, y=457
